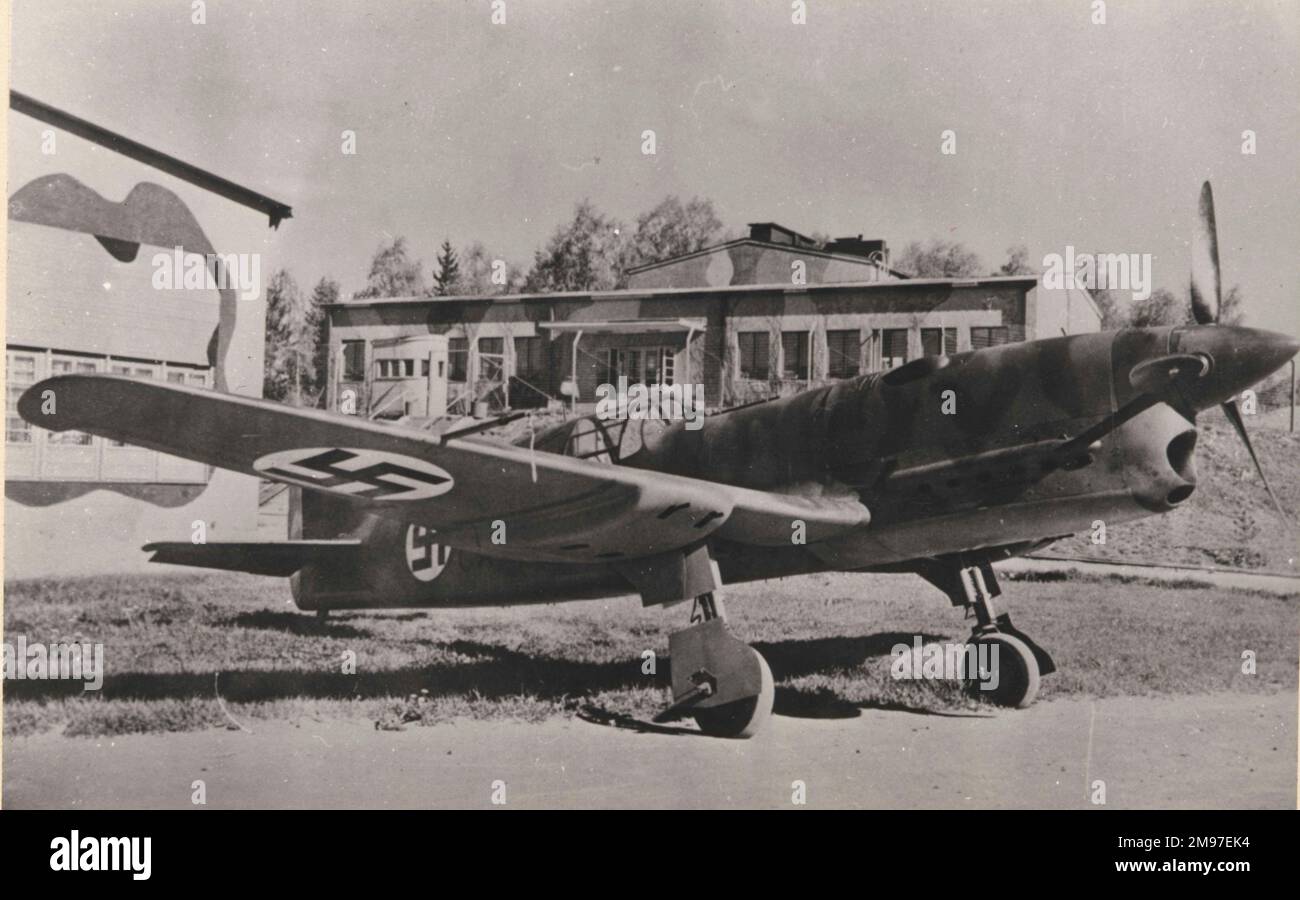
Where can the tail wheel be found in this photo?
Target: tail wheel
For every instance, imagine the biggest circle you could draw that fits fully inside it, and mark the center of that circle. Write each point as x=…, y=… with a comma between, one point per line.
x=1008, y=672
x=741, y=718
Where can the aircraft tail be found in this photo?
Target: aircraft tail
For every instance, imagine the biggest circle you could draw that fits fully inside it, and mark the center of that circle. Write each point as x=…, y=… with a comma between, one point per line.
x=375, y=575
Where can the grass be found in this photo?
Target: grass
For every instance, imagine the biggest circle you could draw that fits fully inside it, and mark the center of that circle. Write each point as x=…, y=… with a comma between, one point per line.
x=185, y=652
x=1229, y=520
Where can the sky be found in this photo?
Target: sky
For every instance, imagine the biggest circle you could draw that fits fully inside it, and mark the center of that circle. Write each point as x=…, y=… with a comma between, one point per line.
x=1068, y=133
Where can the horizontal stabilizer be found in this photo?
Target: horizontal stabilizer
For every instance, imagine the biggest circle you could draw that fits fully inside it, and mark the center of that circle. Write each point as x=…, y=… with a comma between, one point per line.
x=257, y=557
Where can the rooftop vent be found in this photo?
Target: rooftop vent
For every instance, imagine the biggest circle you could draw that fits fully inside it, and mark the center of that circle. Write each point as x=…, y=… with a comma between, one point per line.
x=772, y=233
x=856, y=246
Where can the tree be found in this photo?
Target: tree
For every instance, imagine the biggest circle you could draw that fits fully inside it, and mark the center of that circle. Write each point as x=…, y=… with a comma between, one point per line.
x=938, y=258
x=1164, y=307
x=1017, y=262
x=671, y=229
x=1114, y=314
x=1230, y=311
x=325, y=292
x=587, y=254
x=447, y=278
x=292, y=333
x=1161, y=307
x=482, y=273
x=393, y=274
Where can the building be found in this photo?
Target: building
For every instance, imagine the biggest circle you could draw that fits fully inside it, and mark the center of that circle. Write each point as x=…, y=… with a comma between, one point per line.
x=758, y=317
x=82, y=298
x=771, y=254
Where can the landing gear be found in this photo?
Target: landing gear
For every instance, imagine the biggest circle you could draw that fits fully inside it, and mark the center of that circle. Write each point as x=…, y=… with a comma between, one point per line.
x=718, y=679
x=1005, y=670
x=1001, y=663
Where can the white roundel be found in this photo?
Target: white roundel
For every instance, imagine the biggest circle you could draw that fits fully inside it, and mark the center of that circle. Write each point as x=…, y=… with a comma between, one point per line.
x=425, y=558
x=369, y=474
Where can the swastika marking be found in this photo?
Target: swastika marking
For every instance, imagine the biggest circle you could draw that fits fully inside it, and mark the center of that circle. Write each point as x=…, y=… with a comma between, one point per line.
x=424, y=556
x=368, y=474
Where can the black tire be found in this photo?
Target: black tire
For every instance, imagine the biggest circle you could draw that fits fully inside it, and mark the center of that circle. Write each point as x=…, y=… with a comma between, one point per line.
x=1017, y=671
x=743, y=718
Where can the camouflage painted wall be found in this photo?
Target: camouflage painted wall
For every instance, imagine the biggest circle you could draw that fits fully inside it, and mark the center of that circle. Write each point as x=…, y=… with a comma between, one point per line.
x=725, y=313
x=751, y=262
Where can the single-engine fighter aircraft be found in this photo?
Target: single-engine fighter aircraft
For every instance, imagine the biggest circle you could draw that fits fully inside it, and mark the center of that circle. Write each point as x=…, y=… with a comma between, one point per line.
x=870, y=473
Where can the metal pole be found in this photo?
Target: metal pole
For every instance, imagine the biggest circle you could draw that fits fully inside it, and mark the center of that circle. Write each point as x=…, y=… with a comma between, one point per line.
x=573, y=371
x=1293, y=394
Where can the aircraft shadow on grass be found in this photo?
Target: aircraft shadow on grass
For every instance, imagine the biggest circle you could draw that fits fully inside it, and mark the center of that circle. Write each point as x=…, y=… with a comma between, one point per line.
x=491, y=672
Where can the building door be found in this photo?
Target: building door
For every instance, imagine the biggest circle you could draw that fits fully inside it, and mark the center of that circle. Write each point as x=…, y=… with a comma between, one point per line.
x=642, y=365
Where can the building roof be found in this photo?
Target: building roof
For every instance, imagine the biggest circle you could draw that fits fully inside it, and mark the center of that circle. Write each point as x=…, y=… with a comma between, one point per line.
x=630, y=293
x=801, y=250
x=629, y=326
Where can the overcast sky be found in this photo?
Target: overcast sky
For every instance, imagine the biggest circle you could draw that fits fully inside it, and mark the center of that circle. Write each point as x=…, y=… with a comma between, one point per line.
x=1068, y=133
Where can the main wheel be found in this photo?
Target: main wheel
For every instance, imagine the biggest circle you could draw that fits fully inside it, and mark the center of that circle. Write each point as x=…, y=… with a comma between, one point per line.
x=741, y=718
x=1008, y=671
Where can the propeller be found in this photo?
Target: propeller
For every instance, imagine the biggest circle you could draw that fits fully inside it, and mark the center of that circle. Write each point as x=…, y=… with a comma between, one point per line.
x=1206, y=290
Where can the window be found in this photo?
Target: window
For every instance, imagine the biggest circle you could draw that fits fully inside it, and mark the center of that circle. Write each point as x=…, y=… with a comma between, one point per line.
x=643, y=365
x=530, y=357
x=893, y=347
x=491, y=358
x=354, y=360
x=193, y=378
x=794, y=353
x=843, y=348
x=394, y=368
x=35, y=453
x=458, y=358
x=754, y=356
x=20, y=373
x=65, y=365
x=938, y=341
x=988, y=337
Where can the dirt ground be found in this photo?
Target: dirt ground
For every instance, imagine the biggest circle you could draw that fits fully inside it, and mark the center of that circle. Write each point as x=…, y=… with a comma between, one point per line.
x=1212, y=751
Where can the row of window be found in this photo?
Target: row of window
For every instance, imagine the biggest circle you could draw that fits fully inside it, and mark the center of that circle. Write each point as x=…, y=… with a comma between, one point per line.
x=399, y=368
x=844, y=348
x=645, y=365
x=36, y=453
x=530, y=360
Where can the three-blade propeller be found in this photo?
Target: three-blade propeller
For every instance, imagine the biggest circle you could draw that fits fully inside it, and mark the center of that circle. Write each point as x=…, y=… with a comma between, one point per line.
x=1207, y=306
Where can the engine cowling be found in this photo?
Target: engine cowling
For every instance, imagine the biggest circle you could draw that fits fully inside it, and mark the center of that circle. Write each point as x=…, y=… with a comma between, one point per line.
x=1159, y=458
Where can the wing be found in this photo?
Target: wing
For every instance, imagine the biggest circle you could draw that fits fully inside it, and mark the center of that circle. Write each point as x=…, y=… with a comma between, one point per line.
x=258, y=557
x=477, y=494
